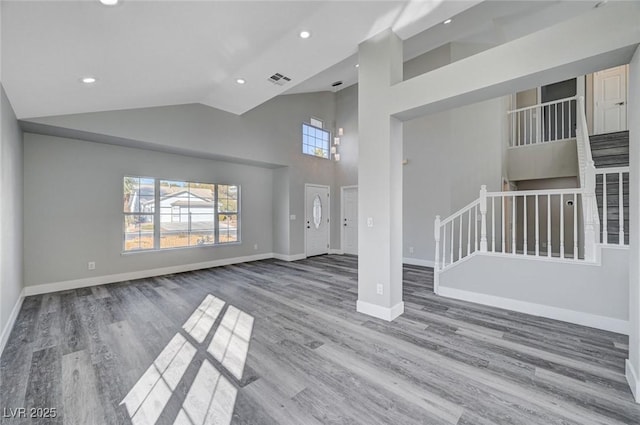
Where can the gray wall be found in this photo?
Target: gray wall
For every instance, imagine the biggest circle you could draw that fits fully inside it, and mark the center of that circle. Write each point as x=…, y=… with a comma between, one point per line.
x=576, y=287
x=73, y=211
x=11, y=190
x=543, y=160
x=450, y=155
x=269, y=134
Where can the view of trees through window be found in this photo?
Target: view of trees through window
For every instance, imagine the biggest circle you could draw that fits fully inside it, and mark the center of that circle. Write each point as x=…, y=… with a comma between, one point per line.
x=315, y=141
x=162, y=214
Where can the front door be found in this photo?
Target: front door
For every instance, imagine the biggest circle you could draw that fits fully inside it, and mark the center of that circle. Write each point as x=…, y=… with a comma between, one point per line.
x=610, y=100
x=317, y=219
x=350, y=220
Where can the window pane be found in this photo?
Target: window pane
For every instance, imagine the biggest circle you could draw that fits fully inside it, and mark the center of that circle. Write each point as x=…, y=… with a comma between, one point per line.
x=202, y=238
x=228, y=228
x=131, y=190
x=138, y=232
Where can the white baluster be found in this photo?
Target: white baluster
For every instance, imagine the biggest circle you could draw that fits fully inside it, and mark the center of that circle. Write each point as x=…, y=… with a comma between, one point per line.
x=460, y=239
x=436, y=268
x=504, y=218
x=493, y=224
x=537, y=228
x=621, y=208
x=469, y=232
x=513, y=224
x=549, y=226
x=605, y=236
x=561, y=225
x=475, y=227
x=452, y=235
x=444, y=245
x=525, y=245
x=518, y=127
x=562, y=120
x=538, y=123
x=483, y=218
x=570, y=123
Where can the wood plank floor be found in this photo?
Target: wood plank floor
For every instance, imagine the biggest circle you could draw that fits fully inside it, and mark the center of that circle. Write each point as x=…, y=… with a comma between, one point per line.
x=271, y=342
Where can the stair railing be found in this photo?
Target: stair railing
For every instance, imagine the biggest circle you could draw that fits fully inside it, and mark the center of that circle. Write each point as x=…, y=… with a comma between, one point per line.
x=616, y=177
x=545, y=122
x=528, y=223
x=587, y=177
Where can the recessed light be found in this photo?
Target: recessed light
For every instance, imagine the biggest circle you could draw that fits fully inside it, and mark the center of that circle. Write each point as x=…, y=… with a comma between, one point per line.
x=241, y=81
x=109, y=2
x=305, y=34
x=448, y=21
x=88, y=80
x=357, y=65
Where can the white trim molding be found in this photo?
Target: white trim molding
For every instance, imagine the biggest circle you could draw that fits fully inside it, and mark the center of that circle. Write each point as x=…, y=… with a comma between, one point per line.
x=418, y=262
x=632, y=380
x=336, y=251
x=384, y=313
x=120, y=277
x=4, y=337
x=292, y=257
x=578, y=317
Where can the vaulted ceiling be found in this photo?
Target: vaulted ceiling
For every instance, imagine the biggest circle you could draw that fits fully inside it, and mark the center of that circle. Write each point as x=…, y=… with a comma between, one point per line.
x=153, y=53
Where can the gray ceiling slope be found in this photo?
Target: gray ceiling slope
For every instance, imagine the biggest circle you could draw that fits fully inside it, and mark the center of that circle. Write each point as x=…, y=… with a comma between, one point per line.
x=155, y=53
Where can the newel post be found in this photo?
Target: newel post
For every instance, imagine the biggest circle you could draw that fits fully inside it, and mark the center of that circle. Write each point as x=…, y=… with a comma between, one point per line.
x=483, y=214
x=436, y=235
x=436, y=266
x=591, y=233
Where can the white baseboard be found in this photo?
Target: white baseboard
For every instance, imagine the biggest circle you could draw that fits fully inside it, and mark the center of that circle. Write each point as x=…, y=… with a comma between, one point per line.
x=336, y=251
x=285, y=257
x=384, y=313
x=632, y=380
x=418, y=262
x=556, y=313
x=4, y=337
x=120, y=277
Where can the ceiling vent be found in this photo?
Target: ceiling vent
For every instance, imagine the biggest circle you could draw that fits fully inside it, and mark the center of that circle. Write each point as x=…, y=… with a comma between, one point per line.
x=279, y=79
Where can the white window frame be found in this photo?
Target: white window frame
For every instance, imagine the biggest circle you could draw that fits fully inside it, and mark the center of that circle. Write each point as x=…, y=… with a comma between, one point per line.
x=326, y=151
x=157, y=215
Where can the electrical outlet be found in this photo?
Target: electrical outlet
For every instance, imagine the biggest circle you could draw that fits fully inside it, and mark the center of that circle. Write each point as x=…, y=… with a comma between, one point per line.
x=91, y=265
x=255, y=246
x=370, y=222
x=292, y=217
x=379, y=289
x=410, y=250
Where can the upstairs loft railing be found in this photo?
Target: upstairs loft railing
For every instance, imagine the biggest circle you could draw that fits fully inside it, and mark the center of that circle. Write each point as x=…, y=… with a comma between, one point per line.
x=545, y=122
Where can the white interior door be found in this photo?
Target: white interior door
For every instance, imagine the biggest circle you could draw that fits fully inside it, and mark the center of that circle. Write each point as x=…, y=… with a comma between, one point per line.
x=350, y=220
x=316, y=220
x=610, y=100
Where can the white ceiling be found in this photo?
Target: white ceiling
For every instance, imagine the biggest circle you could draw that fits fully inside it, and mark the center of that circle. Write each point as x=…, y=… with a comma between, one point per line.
x=152, y=53
x=490, y=22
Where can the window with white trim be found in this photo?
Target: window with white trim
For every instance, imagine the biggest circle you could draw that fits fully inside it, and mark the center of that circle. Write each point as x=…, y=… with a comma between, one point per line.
x=165, y=214
x=315, y=141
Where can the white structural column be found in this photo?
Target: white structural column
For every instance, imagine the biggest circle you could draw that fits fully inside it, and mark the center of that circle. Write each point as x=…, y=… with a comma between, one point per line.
x=633, y=363
x=379, y=180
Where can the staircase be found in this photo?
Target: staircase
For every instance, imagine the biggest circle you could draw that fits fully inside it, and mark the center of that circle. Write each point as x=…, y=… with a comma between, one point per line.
x=611, y=157
x=554, y=252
